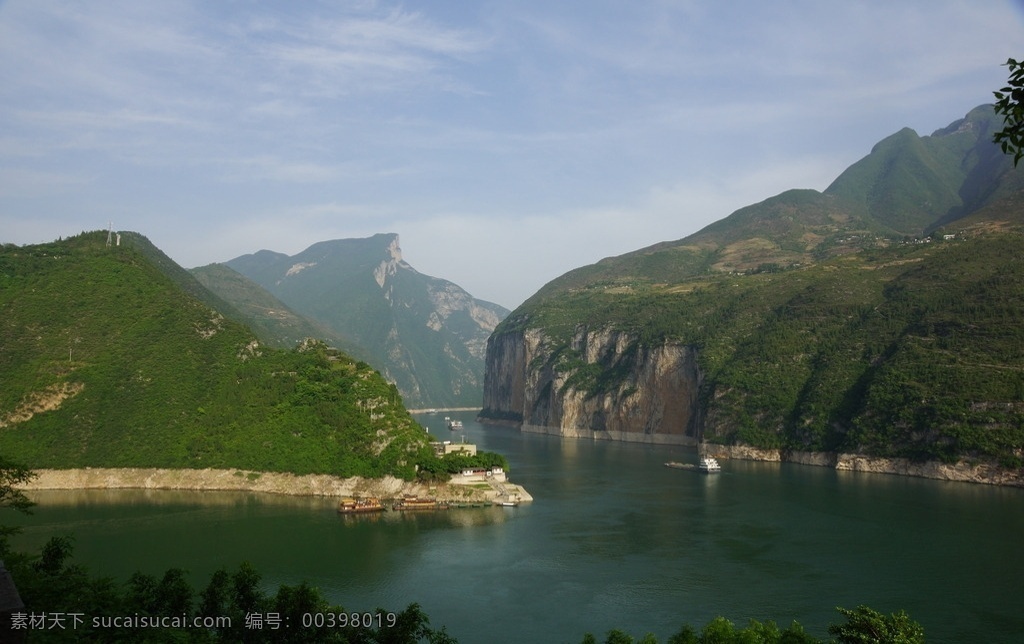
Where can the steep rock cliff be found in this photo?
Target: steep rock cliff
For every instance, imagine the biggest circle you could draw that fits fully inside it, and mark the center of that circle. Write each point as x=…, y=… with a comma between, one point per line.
x=600, y=384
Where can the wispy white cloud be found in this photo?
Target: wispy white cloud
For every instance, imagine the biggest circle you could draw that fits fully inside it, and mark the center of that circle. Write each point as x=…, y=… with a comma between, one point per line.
x=480, y=132
x=268, y=167
x=350, y=51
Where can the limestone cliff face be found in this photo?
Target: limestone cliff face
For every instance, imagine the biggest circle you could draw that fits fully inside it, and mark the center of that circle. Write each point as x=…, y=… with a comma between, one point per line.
x=602, y=384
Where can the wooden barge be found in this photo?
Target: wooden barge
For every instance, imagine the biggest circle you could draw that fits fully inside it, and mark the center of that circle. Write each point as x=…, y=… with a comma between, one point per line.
x=412, y=503
x=350, y=505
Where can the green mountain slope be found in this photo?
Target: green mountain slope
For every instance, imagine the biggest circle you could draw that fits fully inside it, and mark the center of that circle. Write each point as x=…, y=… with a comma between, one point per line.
x=273, y=322
x=425, y=334
x=909, y=182
x=907, y=186
x=105, y=360
x=820, y=321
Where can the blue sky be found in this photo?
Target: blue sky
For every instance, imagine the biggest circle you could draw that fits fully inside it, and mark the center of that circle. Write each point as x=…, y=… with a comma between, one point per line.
x=506, y=142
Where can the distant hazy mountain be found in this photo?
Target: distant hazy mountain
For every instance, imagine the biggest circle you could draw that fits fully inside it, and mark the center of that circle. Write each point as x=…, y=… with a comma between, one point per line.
x=425, y=334
x=883, y=316
x=270, y=318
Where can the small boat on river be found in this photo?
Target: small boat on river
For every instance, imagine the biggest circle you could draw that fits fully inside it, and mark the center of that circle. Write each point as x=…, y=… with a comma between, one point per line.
x=709, y=465
x=349, y=505
x=453, y=424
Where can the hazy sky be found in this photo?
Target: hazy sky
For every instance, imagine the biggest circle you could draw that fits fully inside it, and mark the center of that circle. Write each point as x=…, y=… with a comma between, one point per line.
x=506, y=141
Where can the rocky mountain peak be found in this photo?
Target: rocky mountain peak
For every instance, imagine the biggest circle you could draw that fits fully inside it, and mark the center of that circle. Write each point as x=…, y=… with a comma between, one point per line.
x=394, y=250
x=391, y=262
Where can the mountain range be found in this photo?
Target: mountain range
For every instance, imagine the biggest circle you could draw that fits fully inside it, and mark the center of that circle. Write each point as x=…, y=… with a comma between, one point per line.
x=881, y=316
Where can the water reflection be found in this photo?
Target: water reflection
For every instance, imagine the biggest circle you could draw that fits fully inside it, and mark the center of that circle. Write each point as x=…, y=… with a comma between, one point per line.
x=452, y=517
x=160, y=497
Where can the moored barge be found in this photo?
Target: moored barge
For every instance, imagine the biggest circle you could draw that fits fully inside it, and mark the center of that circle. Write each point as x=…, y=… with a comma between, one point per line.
x=350, y=505
x=417, y=503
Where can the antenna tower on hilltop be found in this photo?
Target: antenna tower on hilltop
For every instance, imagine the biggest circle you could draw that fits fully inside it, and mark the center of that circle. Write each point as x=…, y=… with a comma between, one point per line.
x=110, y=233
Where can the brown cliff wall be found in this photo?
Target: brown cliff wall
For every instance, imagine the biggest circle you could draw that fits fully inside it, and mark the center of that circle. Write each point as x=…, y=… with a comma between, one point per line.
x=601, y=384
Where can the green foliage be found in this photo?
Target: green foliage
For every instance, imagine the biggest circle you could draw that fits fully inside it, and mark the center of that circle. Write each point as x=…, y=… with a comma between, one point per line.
x=434, y=468
x=236, y=604
x=105, y=361
x=1010, y=105
x=865, y=625
x=13, y=475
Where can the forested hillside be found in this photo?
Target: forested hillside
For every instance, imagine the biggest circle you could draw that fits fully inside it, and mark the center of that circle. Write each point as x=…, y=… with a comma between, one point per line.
x=107, y=358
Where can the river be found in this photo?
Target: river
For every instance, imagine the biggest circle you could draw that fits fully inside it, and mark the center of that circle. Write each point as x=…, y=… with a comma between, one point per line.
x=613, y=540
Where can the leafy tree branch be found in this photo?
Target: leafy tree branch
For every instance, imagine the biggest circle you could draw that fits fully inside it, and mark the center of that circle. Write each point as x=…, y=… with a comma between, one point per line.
x=1010, y=104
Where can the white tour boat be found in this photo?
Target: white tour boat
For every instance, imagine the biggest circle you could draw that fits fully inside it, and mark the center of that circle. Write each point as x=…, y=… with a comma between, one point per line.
x=709, y=465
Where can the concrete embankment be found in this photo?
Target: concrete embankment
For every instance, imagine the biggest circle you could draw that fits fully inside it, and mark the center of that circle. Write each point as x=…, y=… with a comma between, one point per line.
x=963, y=471
x=266, y=482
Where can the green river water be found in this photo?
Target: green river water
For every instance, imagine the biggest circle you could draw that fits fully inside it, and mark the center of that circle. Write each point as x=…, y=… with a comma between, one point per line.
x=613, y=540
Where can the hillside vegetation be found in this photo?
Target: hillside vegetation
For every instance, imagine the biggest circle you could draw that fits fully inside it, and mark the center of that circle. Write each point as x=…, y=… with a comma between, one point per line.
x=876, y=317
x=108, y=359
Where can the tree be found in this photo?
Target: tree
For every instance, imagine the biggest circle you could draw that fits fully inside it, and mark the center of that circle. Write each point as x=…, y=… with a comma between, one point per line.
x=865, y=625
x=1010, y=104
x=11, y=476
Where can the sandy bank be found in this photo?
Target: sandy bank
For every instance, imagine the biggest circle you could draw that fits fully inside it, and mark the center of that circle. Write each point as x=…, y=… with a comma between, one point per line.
x=244, y=480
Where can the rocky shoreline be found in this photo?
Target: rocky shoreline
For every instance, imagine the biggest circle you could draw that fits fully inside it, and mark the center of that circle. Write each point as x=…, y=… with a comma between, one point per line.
x=249, y=481
x=609, y=435
x=982, y=472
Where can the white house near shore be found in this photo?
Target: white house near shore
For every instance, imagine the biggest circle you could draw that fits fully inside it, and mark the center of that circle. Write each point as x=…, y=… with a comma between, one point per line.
x=470, y=475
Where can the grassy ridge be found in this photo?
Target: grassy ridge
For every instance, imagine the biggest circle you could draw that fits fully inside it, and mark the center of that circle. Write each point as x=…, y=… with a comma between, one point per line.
x=150, y=376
